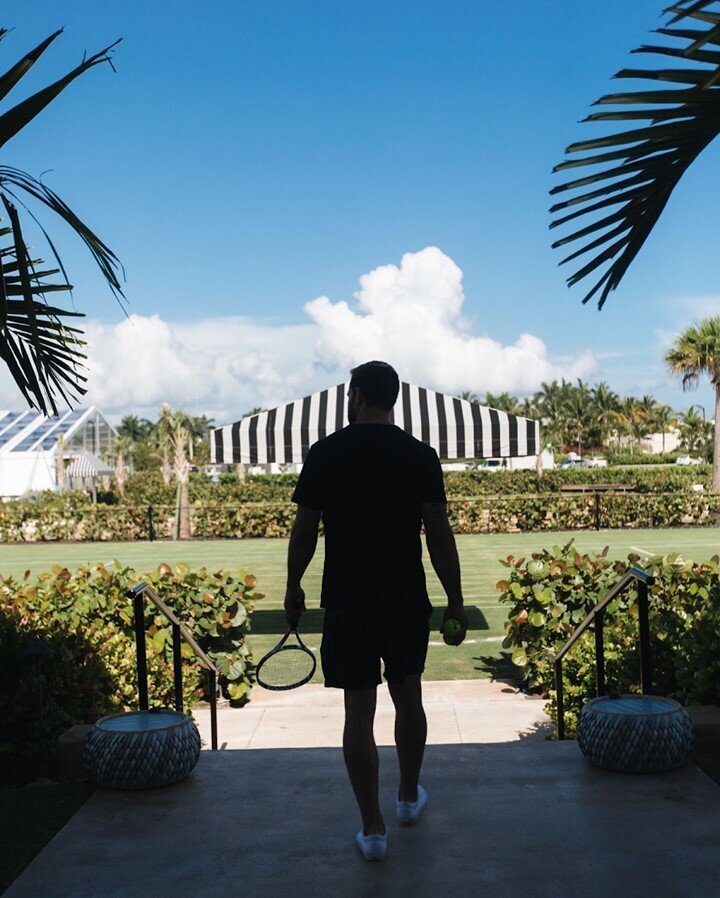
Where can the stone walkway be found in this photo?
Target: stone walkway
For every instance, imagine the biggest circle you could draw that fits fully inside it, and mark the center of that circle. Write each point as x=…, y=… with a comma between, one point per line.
x=458, y=711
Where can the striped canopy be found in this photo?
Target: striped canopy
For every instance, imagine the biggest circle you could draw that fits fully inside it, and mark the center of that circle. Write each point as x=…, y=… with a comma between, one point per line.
x=455, y=428
x=85, y=464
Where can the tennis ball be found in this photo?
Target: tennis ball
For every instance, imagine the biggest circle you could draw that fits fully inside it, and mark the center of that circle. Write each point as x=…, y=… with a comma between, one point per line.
x=451, y=629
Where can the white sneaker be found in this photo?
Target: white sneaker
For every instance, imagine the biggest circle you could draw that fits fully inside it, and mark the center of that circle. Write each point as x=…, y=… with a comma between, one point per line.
x=372, y=847
x=408, y=812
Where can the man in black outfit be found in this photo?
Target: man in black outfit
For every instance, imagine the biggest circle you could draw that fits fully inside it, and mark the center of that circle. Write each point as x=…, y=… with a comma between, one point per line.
x=374, y=485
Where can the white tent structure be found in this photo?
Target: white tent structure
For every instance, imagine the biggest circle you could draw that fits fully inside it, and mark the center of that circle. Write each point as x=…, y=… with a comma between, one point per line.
x=454, y=427
x=29, y=445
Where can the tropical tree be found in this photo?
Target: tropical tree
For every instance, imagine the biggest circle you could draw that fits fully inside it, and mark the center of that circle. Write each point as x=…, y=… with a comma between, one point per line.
x=695, y=433
x=120, y=455
x=467, y=395
x=174, y=437
x=504, y=402
x=634, y=172
x=696, y=351
x=662, y=418
x=606, y=405
x=135, y=428
x=42, y=351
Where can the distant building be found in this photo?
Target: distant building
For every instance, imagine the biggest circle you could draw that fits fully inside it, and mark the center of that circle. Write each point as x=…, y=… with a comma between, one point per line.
x=29, y=445
x=653, y=442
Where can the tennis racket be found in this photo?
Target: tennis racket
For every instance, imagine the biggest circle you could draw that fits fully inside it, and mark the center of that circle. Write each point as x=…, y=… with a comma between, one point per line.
x=287, y=666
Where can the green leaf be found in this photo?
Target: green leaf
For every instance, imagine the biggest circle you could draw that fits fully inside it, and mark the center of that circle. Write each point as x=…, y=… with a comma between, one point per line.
x=537, y=619
x=519, y=657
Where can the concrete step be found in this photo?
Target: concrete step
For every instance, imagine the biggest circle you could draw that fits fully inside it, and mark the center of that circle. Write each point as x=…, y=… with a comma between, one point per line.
x=511, y=820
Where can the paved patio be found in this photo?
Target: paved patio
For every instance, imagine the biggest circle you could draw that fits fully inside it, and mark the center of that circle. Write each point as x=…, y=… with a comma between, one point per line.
x=528, y=819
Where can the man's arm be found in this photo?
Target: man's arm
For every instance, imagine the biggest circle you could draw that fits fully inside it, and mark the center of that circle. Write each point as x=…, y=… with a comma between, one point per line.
x=444, y=557
x=303, y=541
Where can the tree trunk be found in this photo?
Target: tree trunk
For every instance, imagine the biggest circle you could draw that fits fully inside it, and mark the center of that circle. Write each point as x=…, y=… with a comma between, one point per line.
x=166, y=471
x=716, y=442
x=182, y=474
x=185, y=510
x=120, y=473
x=60, y=464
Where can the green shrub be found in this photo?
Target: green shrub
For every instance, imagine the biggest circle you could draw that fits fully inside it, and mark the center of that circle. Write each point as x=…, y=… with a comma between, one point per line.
x=86, y=619
x=478, y=502
x=551, y=592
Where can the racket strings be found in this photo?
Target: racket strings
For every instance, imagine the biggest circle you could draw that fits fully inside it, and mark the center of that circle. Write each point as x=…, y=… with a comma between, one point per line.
x=287, y=667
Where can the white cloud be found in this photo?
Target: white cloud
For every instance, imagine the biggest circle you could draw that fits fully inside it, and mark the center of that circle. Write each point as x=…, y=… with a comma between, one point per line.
x=409, y=315
x=217, y=366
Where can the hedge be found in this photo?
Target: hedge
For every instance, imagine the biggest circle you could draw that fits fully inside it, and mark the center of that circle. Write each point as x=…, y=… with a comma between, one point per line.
x=551, y=592
x=84, y=617
x=71, y=517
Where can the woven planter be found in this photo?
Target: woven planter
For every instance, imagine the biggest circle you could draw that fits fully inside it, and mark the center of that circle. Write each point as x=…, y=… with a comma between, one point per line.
x=142, y=749
x=635, y=733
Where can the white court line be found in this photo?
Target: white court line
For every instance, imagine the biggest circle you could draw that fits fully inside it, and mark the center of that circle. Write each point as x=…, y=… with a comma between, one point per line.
x=642, y=551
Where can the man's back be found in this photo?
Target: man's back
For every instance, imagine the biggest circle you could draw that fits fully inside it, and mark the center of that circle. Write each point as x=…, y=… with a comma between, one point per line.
x=370, y=480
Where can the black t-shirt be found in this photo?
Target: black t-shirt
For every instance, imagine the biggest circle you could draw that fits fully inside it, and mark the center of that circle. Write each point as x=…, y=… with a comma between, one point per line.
x=369, y=481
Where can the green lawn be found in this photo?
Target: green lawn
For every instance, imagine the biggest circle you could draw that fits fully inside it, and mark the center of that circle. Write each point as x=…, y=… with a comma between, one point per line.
x=480, y=656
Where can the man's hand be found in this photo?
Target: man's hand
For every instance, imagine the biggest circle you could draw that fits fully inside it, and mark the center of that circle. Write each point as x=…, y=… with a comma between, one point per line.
x=459, y=615
x=294, y=605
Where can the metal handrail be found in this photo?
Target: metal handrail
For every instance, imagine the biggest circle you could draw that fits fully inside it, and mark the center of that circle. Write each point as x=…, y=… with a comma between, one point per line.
x=597, y=617
x=179, y=631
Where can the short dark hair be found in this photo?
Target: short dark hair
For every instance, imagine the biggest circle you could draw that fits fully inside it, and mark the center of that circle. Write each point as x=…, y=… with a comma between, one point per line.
x=378, y=382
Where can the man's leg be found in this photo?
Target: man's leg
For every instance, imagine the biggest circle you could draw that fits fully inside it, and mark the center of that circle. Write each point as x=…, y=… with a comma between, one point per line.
x=361, y=757
x=410, y=733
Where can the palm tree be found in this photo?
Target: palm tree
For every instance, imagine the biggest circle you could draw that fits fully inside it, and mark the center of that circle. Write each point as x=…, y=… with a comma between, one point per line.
x=504, y=402
x=640, y=167
x=606, y=405
x=175, y=439
x=466, y=394
x=135, y=428
x=630, y=417
x=695, y=432
x=119, y=455
x=696, y=351
x=578, y=412
x=662, y=418
x=42, y=352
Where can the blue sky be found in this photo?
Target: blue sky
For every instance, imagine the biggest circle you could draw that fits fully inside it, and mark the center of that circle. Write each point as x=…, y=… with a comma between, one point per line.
x=248, y=158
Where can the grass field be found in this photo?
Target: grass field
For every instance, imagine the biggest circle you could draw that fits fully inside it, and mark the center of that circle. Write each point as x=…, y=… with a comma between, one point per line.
x=480, y=656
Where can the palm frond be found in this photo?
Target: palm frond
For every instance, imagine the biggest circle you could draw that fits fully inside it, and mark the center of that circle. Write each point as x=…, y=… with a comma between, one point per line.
x=637, y=170
x=43, y=354
x=23, y=66
x=13, y=180
x=16, y=118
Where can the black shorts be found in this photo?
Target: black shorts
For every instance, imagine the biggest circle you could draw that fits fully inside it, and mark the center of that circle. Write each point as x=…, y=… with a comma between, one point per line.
x=353, y=645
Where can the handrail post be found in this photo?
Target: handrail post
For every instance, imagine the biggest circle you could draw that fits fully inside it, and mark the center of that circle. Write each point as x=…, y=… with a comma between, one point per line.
x=599, y=654
x=212, y=678
x=644, y=623
x=140, y=650
x=597, y=510
x=559, y=700
x=177, y=668
x=151, y=524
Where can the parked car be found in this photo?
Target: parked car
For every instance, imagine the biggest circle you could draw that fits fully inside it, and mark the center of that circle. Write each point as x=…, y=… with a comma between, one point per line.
x=595, y=462
x=571, y=463
x=687, y=460
x=459, y=466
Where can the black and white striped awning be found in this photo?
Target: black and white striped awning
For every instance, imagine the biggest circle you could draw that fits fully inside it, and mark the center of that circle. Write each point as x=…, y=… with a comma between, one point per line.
x=455, y=428
x=85, y=464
